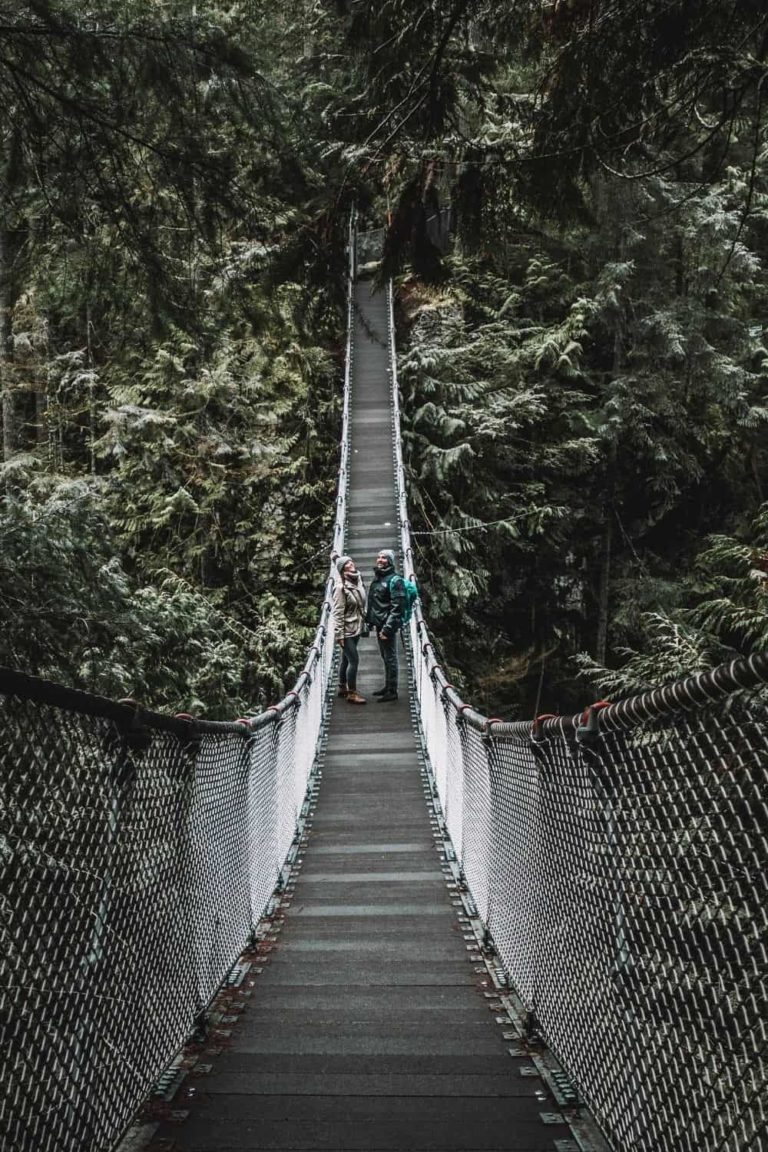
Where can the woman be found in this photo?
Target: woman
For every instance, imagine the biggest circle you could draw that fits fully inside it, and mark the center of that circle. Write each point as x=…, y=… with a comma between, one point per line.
x=348, y=613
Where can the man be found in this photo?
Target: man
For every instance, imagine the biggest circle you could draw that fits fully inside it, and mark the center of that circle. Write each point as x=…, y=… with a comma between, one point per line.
x=386, y=602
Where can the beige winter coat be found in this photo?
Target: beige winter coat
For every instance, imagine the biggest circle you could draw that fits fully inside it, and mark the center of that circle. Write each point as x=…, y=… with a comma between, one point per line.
x=348, y=608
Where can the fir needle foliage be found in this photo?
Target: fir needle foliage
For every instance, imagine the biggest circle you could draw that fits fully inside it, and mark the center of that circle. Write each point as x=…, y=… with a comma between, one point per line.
x=576, y=199
x=171, y=321
x=584, y=368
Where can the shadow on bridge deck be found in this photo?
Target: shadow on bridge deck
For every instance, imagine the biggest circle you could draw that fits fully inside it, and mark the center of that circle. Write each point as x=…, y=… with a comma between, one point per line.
x=369, y=1027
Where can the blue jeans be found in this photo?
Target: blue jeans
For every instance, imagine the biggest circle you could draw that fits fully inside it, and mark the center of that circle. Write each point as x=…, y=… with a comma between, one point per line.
x=388, y=650
x=349, y=662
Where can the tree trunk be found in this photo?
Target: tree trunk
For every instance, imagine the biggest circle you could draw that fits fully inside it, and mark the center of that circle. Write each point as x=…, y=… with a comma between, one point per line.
x=308, y=45
x=6, y=351
x=9, y=249
x=41, y=421
x=756, y=474
x=604, y=582
x=604, y=578
x=92, y=416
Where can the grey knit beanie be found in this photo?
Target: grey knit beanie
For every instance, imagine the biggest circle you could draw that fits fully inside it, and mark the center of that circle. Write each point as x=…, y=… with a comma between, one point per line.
x=342, y=560
x=390, y=554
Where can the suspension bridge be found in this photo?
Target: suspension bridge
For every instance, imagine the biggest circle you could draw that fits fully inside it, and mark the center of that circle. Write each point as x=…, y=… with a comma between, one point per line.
x=404, y=926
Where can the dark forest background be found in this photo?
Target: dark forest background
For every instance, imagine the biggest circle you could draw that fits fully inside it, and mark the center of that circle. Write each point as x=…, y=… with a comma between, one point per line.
x=577, y=212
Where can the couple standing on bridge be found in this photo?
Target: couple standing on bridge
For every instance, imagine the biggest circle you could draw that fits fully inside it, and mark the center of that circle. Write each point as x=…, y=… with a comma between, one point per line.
x=354, y=613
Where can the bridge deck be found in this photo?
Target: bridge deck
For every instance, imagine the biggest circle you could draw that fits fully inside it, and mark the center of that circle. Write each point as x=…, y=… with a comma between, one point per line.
x=368, y=1028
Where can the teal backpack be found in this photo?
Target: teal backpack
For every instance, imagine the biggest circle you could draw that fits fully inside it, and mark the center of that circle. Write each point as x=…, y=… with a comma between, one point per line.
x=411, y=595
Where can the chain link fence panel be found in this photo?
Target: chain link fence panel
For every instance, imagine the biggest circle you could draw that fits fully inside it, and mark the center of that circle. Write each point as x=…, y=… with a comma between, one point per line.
x=619, y=860
x=624, y=880
x=137, y=854
x=123, y=907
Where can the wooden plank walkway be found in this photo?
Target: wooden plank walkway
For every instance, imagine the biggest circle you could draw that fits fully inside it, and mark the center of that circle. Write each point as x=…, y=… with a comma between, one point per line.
x=369, y=1028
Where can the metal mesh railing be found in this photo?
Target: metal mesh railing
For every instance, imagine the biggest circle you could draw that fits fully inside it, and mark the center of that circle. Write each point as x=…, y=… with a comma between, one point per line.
x=137, y=854
x=619, y=860
x=620, y=863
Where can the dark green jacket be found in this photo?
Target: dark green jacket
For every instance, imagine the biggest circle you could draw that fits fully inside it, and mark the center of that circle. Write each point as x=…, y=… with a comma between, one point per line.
x=386, y=601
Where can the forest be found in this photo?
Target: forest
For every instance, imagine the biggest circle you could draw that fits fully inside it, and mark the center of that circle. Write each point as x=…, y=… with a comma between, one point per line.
x=575, y=195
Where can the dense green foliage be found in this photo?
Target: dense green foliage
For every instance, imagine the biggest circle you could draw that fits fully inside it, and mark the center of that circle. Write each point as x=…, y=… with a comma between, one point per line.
x=585, y=372
x=170, y=311
x=584, y=369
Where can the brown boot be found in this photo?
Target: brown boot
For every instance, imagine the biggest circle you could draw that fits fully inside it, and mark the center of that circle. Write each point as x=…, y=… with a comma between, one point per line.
x=343, y=691
x=355, y=698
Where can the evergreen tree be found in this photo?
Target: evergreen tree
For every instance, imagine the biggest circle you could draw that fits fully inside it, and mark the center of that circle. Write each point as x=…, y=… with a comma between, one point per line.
x=608, y=210
x=170, y=320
